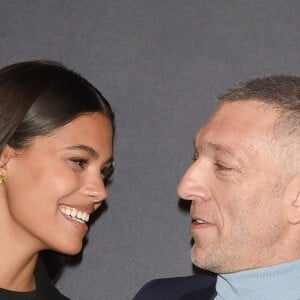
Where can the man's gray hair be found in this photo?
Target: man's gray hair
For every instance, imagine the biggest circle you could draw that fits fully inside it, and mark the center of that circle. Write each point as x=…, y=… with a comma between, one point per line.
x=281, y=92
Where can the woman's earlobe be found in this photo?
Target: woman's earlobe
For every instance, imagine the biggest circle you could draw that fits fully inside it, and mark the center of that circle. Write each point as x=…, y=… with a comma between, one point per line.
x=6, y=154
x=4, y=158
x=2, y=177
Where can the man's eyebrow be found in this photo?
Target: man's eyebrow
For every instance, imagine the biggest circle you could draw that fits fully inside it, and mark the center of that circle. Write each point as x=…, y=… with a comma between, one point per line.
x=219, y=148
x=91, y=151
x=215, y=147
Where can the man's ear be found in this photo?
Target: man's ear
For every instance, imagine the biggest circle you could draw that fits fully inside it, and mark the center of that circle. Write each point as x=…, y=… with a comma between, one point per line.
x=6, y=154
x=293, y=194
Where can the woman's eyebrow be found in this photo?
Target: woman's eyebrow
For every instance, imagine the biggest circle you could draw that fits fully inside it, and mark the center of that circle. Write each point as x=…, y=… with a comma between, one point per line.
x=91, y=151
x=110, y=160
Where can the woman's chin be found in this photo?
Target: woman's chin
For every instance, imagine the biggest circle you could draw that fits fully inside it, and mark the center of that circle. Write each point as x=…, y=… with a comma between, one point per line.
x=69, y=249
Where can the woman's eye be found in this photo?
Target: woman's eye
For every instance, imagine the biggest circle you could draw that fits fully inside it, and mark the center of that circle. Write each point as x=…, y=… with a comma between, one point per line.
x=107, y=171
x=79, y=162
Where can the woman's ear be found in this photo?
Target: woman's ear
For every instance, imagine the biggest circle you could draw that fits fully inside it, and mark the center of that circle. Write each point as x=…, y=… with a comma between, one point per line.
x=6, y=154
x=294, y=200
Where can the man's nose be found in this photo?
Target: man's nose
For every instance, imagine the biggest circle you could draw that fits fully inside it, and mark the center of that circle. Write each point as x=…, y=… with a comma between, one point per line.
x=193, y=185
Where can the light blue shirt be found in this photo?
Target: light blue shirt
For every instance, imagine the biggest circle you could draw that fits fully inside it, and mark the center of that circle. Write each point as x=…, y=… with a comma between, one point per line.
x=277, y=282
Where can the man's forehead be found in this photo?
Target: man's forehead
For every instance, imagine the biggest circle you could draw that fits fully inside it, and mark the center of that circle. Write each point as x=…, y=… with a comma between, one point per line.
x=237, y=129
x=239, y=118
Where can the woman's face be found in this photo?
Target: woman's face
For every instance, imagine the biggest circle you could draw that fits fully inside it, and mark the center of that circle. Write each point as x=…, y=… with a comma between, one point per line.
x=54, y=186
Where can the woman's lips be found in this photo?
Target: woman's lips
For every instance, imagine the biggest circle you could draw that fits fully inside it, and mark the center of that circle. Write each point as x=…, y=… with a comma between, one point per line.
x=76, y=217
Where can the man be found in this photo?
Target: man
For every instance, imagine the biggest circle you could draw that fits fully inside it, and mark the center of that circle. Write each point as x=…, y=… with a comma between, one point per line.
x=244, y=188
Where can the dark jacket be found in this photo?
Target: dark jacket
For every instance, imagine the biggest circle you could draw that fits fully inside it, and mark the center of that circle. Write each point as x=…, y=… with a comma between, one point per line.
x=200, y=286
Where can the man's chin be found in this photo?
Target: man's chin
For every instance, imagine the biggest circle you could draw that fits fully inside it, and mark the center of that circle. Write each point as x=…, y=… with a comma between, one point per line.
x=195, y=257
x=201, y=261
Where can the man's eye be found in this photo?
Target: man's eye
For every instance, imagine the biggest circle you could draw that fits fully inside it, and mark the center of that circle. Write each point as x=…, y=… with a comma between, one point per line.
x=221, y=167
x=79, y=162
x=195, y=156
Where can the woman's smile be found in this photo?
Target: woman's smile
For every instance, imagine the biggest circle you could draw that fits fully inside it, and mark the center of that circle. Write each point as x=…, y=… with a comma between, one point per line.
x=64, y=176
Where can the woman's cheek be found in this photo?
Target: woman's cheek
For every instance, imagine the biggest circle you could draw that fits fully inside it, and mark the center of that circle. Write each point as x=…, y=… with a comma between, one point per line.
x=66, y=182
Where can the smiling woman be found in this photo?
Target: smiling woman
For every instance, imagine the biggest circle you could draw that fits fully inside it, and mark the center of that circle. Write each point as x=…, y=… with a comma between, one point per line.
x=56, y=141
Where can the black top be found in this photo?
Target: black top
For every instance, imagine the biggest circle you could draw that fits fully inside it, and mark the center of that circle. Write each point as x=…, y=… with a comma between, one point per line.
x=11, y=295
x=45, y=290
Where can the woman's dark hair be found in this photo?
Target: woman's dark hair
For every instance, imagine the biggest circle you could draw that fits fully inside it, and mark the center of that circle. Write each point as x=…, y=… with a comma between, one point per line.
x=37, y=97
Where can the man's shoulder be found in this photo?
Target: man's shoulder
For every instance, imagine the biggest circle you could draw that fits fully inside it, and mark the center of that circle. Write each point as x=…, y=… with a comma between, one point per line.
x=179, y=288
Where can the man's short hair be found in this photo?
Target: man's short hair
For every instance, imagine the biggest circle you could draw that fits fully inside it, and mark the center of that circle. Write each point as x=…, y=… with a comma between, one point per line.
x=282, y=92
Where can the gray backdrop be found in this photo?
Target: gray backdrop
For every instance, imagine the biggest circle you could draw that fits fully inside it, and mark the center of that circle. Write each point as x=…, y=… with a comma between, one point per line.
x=161, y=64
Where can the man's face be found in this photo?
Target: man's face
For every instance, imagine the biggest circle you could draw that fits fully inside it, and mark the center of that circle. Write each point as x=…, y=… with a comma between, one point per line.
x=239, y=218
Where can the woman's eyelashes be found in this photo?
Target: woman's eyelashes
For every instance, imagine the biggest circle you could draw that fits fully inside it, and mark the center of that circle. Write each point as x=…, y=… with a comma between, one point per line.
x=107, y=171
x=79, y=162
x=82, y=163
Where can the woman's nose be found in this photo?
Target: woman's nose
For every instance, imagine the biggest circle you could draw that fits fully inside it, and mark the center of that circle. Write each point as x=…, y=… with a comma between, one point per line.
x=95, y=188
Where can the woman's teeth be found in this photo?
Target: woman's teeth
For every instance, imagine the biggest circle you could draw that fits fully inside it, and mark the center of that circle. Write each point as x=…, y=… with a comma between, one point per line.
x=74, y=213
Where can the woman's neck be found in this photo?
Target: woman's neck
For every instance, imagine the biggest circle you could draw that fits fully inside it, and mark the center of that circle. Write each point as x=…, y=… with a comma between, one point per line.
x=17, y=255
x=17, y=270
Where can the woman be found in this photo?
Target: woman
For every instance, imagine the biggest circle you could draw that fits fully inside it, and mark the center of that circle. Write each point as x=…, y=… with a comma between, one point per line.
x=56, y=133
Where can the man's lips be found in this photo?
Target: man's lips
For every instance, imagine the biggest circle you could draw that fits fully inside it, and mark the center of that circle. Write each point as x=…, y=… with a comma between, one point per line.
x=199, y=222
